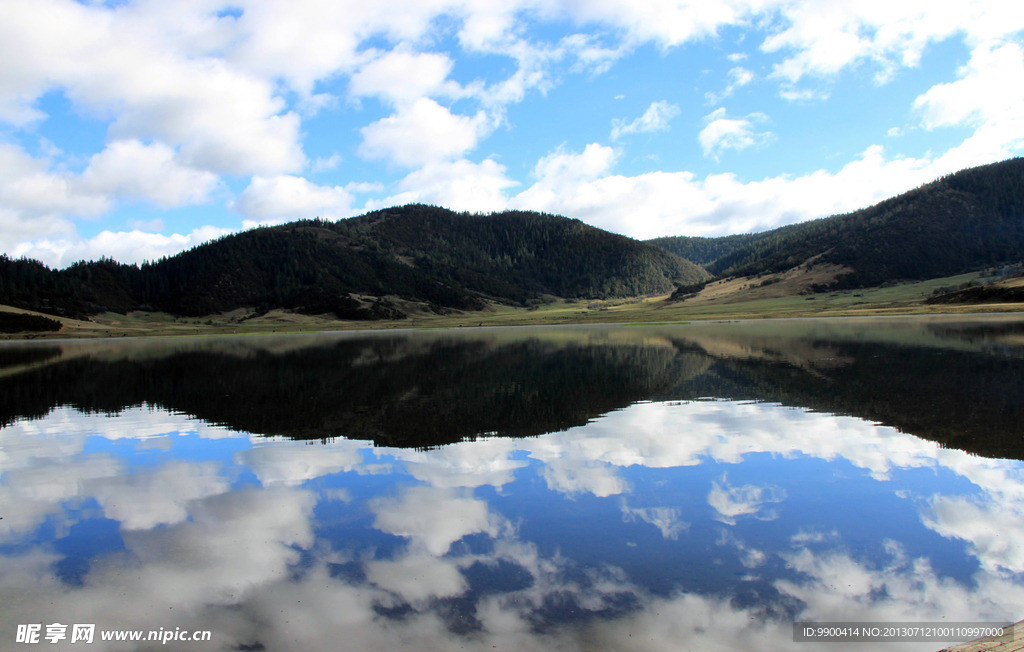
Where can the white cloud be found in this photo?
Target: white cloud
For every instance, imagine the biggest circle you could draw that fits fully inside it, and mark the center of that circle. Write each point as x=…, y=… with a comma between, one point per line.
x=666, y=519
x=987, y=96
x=722, y=133
x=37, y=205
x=400, y=76
x=35, y=487
x=129, y=168
x=569, y=475
x=464, y=464
x=998, y=549
x=126, y=246
x=459, y=185
x=286, y=197
x=161, y=496
x=988, y=89
x=825, y=38
x=561, y=166
x=35, y=200
x=249, y=565
x=678, y=203
x=655, y=118
x=433, y=519
x=836, y=586
x=590, y=54
x=666, y=23
x=323, y=164
x=38, y=479
x=738, y=78
x=791, y=93
x=747, y=500
x=417, y=577
x=290, y=463
x=189, y=94
x=152, y=81
x=423, y=132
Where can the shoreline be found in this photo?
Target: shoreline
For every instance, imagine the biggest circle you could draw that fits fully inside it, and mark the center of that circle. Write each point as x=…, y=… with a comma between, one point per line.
x=140, y=328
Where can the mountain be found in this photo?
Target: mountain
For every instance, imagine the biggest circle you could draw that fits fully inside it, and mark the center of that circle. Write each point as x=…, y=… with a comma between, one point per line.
x=701, y=250
x=366, y=267
x=961, y=222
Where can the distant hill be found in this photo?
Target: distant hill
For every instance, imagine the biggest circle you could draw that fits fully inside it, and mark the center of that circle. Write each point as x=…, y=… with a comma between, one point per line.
x=703, y=251
x=962, y=222
x=364, y=268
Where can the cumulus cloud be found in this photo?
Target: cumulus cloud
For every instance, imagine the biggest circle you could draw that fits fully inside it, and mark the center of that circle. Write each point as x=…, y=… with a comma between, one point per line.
x=126, y=246
x=824, y=39
x=249, y=564
x=141, y=501
x=291, y=463
x=417, y=576
x=191, y=95
x=38, y=479
x=153, y=83
x=987, y=96
x=738, y=78
x=678, y=203
x=37, y=202
x=460, y=185
x=423, y=132
x=129, y=168
x=655, y=118
x=721, y=133
x=971, y=520
x=432, y=518
x=400, y=76
x=666, y=519
x=280, y=198
x=836, y=586
x=323, y=164
x=748, y=500
x=465, y=464
x=666, y=23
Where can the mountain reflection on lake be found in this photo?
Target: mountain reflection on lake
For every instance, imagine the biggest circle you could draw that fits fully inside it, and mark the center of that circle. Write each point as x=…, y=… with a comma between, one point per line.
x=679, y=487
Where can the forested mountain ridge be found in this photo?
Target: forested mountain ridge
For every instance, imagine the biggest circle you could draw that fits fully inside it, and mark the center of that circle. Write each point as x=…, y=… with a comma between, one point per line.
x=417, y=253
x=703, y=250
x=961, y=222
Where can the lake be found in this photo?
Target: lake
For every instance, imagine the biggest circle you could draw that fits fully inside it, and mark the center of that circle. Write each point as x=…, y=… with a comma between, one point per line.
x=666, y=487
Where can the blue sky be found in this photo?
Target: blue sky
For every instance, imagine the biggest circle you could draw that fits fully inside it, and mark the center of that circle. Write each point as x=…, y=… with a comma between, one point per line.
x=138, y=129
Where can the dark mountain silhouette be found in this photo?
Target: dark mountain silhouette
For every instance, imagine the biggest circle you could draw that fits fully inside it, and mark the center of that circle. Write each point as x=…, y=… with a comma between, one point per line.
x=965, y=221
x=363, y=268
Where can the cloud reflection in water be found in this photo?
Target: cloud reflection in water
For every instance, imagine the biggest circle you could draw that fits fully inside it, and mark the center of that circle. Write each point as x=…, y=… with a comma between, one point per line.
x=709, y=524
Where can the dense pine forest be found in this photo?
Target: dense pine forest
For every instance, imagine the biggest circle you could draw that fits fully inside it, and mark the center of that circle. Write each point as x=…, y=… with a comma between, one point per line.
x=442, y=259
x=375, y=266
x=962, y=222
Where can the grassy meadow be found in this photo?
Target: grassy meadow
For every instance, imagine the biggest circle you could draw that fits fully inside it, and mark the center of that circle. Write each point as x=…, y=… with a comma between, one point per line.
x=742, y=303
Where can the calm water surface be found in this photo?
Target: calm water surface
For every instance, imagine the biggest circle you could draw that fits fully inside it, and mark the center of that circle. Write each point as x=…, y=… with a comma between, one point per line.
x=613, y=488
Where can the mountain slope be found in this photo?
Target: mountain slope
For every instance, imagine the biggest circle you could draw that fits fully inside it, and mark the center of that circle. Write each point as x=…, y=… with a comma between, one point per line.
x=961, y=222
x=355, y=267
x=703, y=250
